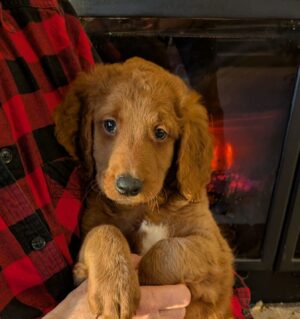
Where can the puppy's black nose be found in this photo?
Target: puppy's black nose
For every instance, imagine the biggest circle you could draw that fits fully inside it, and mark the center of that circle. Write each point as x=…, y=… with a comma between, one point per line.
x=128, y=185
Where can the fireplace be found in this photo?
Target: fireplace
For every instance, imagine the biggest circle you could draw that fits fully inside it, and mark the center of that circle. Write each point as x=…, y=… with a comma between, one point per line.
x=247, y=71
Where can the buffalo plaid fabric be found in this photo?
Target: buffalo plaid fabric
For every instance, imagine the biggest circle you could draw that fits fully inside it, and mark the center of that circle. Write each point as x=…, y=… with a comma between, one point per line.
x=42, y=48
x=240, y=302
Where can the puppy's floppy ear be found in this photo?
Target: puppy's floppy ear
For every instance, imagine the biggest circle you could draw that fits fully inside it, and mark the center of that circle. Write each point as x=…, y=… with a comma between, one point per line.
x=195, y=149
x=73, y=119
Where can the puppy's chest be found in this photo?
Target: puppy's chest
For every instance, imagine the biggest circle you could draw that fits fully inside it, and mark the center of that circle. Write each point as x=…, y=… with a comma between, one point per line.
x=149, y=234
x=143, y=232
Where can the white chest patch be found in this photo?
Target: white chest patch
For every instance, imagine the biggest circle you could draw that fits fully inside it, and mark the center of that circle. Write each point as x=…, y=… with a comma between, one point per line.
x=152, y=233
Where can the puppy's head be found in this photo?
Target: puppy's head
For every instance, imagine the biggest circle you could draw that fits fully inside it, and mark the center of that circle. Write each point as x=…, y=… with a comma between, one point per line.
x=122, y=122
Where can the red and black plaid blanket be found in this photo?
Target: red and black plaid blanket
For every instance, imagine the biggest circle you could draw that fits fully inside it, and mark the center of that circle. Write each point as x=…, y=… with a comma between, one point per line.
x=42, y=48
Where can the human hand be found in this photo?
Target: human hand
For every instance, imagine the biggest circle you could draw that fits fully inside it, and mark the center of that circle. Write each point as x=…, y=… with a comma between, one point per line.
x=165, y=302
x=157, y=302
x=161, y=301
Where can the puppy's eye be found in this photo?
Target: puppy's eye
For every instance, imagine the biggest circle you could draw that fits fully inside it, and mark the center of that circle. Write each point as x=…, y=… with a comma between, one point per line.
x=160, y=134
x=110, y=126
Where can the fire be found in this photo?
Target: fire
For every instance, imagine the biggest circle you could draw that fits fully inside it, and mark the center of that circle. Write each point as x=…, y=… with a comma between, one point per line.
x=222, y=156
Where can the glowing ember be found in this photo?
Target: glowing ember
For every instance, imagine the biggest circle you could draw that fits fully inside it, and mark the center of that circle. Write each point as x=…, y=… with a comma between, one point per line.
x=229, y=183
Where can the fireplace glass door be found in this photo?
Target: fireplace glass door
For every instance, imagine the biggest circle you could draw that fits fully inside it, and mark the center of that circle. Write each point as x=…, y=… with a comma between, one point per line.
x=246, y=74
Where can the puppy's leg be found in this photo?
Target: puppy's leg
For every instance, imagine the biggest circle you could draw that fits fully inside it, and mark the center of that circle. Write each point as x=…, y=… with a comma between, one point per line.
x=204, y=264
x=80, y=273
x=113, y=287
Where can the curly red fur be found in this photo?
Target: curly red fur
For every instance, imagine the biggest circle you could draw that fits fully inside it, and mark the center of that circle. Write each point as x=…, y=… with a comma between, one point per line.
x=141, y=96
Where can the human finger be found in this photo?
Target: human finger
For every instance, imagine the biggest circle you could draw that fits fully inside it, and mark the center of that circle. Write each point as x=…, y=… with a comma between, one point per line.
x=167, y=297
x=172, y=313
x=135, y=259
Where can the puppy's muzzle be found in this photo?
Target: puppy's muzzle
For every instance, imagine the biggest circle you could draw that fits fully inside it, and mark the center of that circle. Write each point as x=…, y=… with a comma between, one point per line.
x=128, y=185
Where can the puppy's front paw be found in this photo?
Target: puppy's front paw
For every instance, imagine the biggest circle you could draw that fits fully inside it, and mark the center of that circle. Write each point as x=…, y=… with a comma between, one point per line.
x=115, y=294
x=80, y=273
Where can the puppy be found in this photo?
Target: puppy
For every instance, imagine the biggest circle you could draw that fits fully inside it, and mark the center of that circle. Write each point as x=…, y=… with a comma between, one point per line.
x=141, y=138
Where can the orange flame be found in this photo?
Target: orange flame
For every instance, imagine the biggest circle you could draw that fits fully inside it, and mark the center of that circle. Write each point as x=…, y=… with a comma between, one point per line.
x=222, y=156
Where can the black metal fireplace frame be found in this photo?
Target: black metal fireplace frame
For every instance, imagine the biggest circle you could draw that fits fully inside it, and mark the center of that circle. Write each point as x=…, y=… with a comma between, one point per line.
x=286, y=260
x=282, y=228
x=224, y=9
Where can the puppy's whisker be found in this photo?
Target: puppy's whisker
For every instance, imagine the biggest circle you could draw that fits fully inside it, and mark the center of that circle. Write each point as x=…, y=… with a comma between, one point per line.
x=88, y=189
x=92, y=186
x=95, y=187
x=165, y=193
x=155, y=199
x=149, y=204
x=99, y=192
x=153, y=204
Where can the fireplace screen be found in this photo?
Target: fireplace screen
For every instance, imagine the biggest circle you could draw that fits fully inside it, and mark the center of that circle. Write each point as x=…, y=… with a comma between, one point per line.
x=246, y=74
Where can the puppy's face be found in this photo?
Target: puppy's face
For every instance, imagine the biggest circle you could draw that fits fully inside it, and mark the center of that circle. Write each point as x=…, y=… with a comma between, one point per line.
x=121, y=122
x=135, y=128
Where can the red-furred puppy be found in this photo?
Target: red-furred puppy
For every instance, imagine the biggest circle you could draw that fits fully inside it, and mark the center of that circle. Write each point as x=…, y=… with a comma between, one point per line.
x=141, y=137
